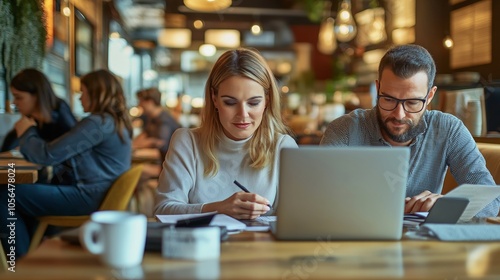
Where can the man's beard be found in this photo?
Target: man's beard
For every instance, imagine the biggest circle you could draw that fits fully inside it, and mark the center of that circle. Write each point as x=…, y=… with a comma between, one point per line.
x=409, y=134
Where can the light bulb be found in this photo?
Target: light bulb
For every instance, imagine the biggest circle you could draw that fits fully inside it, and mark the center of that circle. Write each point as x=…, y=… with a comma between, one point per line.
x=207, y=5
x=198, y=24
x=377, y=32
x=345, y=27
x=326, y=38
x=66, y=11
x=256, y=29
x=448, y=42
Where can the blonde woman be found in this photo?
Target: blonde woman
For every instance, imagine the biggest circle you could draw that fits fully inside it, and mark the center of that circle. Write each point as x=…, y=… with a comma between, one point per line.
x=240, y=137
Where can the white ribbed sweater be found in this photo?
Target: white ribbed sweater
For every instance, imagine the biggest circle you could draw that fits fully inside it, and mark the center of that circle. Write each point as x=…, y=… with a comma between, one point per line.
x=182, y=187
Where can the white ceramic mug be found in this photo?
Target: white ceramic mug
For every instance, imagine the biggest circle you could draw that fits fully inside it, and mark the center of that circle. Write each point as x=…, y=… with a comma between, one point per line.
x=118, y=237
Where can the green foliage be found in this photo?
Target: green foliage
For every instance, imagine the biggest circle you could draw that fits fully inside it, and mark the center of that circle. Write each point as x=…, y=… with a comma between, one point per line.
x=313, y=8
x=6, y=30
x=304, y=82
x=373, y=4
x=27, y=47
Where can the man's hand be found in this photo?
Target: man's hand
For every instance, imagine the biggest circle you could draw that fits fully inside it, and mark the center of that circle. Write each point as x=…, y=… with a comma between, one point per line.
x=421, y=202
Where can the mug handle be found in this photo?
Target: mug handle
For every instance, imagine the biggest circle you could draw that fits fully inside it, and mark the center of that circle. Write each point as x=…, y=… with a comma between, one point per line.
x=87, y=232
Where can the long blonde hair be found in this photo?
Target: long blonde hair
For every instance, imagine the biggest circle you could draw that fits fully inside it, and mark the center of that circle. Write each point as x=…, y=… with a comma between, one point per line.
x=106, y=96
x=249, y=64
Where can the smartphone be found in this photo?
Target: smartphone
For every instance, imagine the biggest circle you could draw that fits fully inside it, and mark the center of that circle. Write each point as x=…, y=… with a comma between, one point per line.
x=447, y=210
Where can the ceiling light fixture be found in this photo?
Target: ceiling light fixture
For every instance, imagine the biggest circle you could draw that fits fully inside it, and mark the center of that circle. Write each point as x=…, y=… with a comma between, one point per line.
x=207, y=50
x=223, y=38
x=256, y=29
x=345, y=27
x=448, y=42
x=327, y=43
x=174, y=37
x=207, y=5
x=342, y=29
x=198, y=24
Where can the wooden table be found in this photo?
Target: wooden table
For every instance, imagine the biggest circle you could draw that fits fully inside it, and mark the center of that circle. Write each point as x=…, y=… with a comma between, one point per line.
x=258, y=256
x=20, y=177
x=22, y=171
x=146, y=155
x=11, y=154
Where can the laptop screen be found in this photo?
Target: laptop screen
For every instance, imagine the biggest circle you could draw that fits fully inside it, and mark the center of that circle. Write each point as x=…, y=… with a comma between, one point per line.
x=342, y=192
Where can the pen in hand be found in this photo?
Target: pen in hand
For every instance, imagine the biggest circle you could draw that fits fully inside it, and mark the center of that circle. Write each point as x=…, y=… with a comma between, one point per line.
x=246, y=190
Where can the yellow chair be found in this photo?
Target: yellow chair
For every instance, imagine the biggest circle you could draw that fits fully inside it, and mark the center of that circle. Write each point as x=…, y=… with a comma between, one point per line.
x=491, y=153
x=3, y=259
x=117, y=198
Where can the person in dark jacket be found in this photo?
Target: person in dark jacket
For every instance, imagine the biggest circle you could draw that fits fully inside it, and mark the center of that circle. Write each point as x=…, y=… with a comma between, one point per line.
x=35, y=99
x=97, y=150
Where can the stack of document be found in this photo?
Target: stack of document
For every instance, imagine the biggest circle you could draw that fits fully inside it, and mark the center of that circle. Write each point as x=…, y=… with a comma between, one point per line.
x=415, y=218
x=479, y=196
x=262, y=223
x=231, y=224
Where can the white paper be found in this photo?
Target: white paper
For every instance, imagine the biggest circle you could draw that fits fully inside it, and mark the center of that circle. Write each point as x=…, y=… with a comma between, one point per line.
x=414, y=218
x=262, y=223
x=219, y=220
x=411, y=223
x=416, y=215
x=479, y=196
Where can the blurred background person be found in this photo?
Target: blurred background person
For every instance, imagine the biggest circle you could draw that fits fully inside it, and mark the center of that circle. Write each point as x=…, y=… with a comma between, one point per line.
x=158, y=127
x=159, y=124
x=96, y=151
x=35, y=99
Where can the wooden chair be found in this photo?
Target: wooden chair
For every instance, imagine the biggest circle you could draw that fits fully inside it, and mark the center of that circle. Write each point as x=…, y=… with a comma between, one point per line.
x=117, y=198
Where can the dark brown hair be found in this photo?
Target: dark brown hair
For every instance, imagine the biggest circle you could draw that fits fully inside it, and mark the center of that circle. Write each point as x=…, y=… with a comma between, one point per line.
x=106, y=97
x=150, y=94
x=406, y=61
x=36, y=83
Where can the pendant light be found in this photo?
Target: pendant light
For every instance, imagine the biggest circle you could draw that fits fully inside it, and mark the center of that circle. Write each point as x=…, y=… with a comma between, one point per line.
x=448, y=42
x=327, y=43
x=207, y=5
x=345, y=27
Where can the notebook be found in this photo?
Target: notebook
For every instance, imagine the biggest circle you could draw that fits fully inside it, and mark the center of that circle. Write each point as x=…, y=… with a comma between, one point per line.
x=341, y=193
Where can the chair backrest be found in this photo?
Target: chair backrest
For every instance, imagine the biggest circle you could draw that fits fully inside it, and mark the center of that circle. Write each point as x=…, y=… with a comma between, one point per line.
x=120, y=193
x=491, y=153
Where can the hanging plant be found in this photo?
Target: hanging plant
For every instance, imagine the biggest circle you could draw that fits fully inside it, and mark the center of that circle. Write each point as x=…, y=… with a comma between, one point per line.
x=313, y=8
x=7, y=27
x=28, y=46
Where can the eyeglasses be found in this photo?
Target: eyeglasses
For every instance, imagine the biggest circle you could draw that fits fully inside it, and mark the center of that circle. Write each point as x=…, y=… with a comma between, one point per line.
x=410, y=105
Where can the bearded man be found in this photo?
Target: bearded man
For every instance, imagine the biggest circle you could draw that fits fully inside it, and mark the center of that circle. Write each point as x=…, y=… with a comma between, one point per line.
x=436, y=140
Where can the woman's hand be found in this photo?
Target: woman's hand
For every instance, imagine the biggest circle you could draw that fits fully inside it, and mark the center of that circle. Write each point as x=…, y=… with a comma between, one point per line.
x=240, y=205
x=421, y=202
x=23, y=124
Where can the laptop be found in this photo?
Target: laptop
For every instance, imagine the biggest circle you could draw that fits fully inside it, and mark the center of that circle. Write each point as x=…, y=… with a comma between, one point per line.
x=341, y=193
